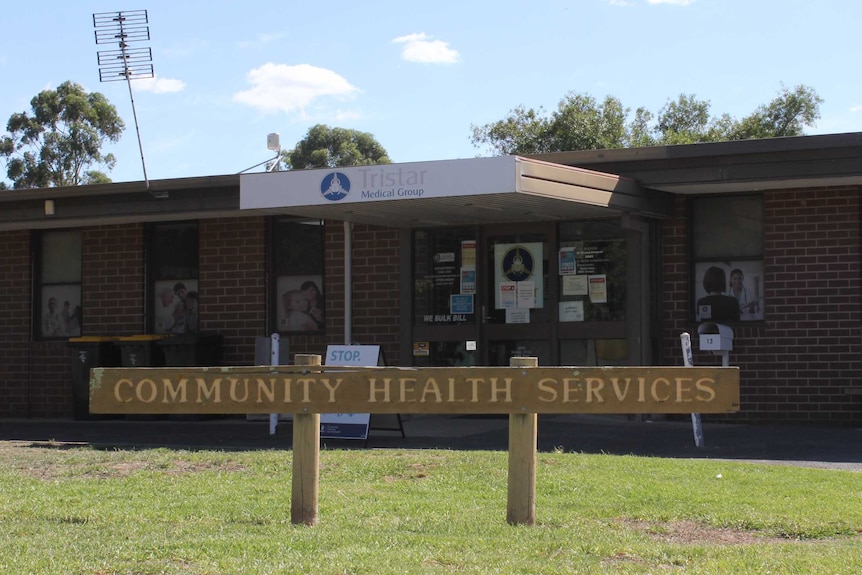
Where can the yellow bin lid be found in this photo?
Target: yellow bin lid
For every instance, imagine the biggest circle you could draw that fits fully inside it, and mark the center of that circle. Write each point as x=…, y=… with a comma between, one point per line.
x=142, y=337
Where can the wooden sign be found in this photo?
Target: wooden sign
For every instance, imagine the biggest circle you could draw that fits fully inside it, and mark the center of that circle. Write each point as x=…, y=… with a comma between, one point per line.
x=454, y=390
x=522, y=390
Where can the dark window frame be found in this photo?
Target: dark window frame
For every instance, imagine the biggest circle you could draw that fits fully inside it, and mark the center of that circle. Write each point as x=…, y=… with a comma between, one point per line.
x=297, y=273
x=172, y=282
x=727, y=268
x=64, y=322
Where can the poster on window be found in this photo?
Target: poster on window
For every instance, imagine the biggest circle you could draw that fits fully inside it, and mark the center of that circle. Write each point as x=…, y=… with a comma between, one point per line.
x=176, y=307
x=61, y=311
x=567, y=261
x=300, y=304
x=468, y=280
x=515, y=263
x=728, y=291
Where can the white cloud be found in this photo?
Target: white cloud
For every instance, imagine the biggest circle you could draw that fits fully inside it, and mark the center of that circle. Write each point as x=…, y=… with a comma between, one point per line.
x=676, y=2
x=158, y=85
x=278, y=87
x=857, y=108
x=421, y=48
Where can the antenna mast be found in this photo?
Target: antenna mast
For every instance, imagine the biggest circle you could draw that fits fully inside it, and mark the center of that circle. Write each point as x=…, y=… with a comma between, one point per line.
x=122, y=28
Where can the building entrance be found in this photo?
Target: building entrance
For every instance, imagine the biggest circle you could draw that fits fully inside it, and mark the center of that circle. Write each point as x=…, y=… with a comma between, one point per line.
x=568, y=293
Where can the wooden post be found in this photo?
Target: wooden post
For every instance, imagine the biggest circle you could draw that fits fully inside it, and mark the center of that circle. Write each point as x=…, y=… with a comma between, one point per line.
x=523, y=434
x=306, y=459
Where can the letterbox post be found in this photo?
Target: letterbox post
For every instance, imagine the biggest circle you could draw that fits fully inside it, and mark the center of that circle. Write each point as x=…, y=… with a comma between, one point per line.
x=523, y=434
x=306, y=459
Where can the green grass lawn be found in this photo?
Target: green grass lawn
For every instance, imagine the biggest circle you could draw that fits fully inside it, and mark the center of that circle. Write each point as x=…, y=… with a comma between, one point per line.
x=84, y=511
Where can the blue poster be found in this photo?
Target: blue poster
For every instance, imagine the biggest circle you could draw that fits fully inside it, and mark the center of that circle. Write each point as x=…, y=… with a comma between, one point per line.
x=461, y=303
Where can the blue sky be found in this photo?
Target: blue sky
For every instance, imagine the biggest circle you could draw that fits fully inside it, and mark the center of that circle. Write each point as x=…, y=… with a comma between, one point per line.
x=417, y=75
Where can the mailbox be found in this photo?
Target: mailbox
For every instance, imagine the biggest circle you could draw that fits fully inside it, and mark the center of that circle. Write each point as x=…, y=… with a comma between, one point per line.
x=715, y=337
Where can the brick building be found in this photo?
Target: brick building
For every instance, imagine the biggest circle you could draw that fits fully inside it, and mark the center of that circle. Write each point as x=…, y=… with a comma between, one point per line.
x=578, y=258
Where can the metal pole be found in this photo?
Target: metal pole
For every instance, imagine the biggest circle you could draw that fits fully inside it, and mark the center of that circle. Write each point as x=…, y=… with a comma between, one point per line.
x=137, y=130
x=348, y=280
x=688, y=361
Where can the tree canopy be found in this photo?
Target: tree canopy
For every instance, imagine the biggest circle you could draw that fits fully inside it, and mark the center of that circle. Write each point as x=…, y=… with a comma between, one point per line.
x=59, y=142
x=580, y=122
x=325, y=147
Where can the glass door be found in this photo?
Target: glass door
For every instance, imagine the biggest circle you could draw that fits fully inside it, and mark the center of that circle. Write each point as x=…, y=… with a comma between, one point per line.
x=518, y=304
x=445, y=319
x=568, y=293
x=601, y=290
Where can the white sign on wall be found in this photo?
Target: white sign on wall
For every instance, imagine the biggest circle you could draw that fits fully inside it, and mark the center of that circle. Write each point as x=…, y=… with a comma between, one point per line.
x=355, y=184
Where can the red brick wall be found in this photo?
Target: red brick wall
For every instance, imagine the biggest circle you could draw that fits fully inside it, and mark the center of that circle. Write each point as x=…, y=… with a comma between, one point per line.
x=232, y=284
x=15, y=320
x=35, y=376
x=112, y=268
x=376, y=294
x=374, y=289
x=112, y=300
x=795, y=366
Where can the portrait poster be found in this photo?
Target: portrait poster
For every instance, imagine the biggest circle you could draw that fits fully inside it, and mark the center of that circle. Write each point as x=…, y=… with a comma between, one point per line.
x=515, y=263
x=61, y=311
x=300, y=304
x=176, y=306
x=728, y=291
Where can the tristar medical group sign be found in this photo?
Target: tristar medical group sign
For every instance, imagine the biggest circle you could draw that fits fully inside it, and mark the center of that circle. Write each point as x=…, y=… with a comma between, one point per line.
x=357, y=184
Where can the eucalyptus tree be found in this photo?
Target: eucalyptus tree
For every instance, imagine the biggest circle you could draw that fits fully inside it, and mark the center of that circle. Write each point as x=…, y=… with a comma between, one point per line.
x=59, y=142
x=580, y=122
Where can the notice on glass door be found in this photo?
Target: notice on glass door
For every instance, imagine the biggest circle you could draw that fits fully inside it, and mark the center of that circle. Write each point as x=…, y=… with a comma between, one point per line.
x=526, y=294
x=575, y=285
x=599, y=288
x=518, y=315
x=507, y=295
x=572, y=310
x=567, y=261
x=517, y=263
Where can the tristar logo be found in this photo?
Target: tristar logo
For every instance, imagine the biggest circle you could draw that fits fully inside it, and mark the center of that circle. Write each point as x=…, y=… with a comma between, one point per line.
x=335, y=186
x=518, y=264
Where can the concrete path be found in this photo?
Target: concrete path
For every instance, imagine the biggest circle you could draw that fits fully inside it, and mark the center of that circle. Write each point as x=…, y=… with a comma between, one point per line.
x=833, y=448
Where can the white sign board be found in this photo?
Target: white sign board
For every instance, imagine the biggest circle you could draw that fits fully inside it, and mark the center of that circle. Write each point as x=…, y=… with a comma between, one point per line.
x=348, y=425
x=387, y=182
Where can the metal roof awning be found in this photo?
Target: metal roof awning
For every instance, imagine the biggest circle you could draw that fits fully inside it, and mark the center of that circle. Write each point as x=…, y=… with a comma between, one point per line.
x=451, y=192
x=563, y=185
x=422, y=194
x=728, y=167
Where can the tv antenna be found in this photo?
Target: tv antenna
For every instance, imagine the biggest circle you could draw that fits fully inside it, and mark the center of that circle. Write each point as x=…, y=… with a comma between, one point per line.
x=126, y=63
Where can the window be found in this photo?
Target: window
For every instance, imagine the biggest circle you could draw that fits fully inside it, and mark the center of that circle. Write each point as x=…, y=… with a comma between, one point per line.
x=173, y=277
x=58, y=312
x=593, y=257
x=727, y=258
x=444, y=276
x=298, y=260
